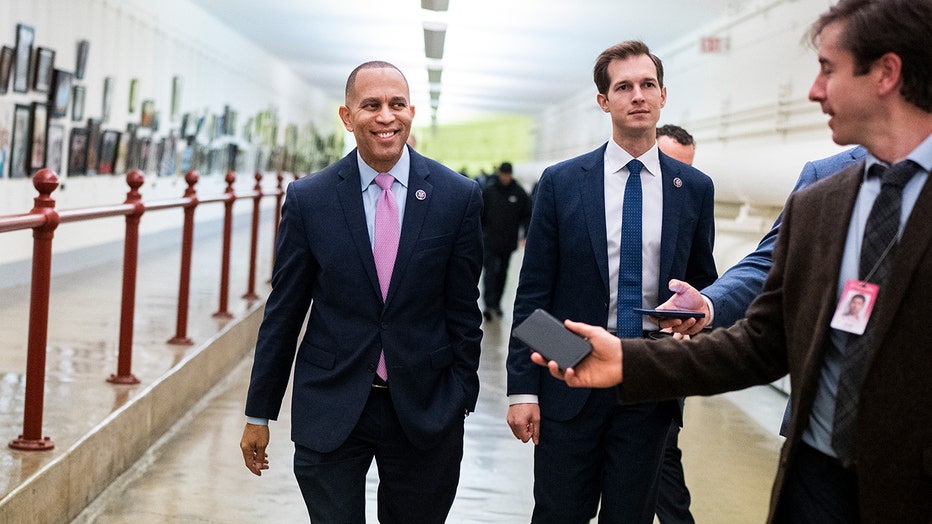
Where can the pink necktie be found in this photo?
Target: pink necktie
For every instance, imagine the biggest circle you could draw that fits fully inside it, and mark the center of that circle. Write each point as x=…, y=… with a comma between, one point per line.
x=385, y=244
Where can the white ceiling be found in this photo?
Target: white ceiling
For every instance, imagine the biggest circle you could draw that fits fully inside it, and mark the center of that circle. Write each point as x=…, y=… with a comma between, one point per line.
x=500, y=56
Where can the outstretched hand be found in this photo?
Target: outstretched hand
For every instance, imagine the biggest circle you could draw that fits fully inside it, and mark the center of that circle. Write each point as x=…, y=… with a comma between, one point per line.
x=686, y=298
x=601, y=369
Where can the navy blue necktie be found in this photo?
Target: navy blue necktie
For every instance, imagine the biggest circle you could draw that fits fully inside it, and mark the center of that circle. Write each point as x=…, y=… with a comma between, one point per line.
x=629, y=265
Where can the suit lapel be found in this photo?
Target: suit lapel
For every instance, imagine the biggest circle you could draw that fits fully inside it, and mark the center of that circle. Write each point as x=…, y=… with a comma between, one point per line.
x=908, y=256
x=592, y=192
x=349, y=193
x=670, y=229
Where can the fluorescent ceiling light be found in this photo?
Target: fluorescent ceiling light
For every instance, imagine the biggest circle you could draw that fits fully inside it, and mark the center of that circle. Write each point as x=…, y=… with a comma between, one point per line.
x=435, y=5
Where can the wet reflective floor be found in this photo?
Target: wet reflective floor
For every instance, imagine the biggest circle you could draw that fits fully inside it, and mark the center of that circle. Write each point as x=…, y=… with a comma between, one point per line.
x=195, y=472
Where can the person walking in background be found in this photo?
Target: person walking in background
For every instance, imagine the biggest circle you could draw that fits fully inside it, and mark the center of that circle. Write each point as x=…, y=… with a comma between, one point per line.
x=859, y=439
x=506, y=213
x=673, y=498
x=609, y=229
x=387, y=244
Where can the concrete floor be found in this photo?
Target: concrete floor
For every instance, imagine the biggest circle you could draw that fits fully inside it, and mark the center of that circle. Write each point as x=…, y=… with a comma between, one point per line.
x=194, y=473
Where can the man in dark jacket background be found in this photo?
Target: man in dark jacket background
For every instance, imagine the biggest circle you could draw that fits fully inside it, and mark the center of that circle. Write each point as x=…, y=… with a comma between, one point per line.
x=506, y=211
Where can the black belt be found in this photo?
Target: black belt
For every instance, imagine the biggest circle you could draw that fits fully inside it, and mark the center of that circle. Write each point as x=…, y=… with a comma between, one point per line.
x=378, y=383
x=645, y=333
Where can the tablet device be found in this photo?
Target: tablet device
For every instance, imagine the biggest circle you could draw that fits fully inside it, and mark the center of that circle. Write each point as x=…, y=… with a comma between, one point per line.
x=549, y=337
x=669, y=313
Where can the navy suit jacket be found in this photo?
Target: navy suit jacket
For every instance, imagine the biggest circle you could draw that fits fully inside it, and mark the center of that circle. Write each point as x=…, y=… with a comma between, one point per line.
x=733, y=292
x=428, y=325
x=565, y=268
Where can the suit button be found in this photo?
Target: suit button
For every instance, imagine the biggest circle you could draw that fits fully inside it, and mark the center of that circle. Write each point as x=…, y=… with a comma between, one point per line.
x=383, y=325
x=371, y=368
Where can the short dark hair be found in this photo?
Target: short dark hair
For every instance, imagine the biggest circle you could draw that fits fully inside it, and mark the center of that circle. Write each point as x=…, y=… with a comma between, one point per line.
x=505, y=167
x=374, y=64
x=873, y=28
x=676, y=133
x=622, y=51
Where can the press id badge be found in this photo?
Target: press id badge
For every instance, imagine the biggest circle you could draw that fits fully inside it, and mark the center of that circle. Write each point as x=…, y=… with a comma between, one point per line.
x=855, y=307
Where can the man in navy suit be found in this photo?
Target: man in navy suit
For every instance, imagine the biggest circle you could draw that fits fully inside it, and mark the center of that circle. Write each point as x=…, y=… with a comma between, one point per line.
x=589, y=451
x=423, y=325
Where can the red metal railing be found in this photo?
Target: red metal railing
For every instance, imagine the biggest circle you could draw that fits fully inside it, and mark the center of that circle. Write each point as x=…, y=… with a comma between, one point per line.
x=43, y=219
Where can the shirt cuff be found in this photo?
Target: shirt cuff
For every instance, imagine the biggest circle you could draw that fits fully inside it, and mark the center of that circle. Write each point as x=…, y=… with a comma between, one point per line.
x=522, y=399
x=708, y=302
x=257, y=421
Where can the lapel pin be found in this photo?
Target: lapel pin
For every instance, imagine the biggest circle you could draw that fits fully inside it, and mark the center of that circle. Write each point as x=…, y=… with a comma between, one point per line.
x=677, y=182
x=420, y=194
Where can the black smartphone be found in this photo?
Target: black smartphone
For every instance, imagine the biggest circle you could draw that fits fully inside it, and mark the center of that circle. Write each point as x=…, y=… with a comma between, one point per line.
x=669, y=313
x=546, y=335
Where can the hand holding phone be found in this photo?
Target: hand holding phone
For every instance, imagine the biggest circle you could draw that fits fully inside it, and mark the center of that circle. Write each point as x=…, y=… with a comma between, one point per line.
x=548, y=336
x=669, y=313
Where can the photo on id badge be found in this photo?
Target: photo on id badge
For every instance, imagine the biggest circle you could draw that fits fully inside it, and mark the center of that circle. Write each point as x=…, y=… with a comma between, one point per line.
x=854, y=308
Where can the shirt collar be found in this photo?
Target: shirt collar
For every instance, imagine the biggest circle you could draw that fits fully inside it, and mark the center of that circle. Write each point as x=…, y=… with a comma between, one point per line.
x=616, y=158
x=400, y=170
x=922, y=155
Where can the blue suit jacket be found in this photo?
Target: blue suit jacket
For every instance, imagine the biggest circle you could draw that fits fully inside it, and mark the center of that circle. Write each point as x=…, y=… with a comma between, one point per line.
x=733, y=292
x=565, y=268
x=428, y=325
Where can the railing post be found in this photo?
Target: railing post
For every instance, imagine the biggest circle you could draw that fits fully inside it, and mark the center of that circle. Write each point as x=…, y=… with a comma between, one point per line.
x=45, y=181
x=279, y=196
x=124, y=374
x=227, y=240
x=254, y=243
x=187, y=246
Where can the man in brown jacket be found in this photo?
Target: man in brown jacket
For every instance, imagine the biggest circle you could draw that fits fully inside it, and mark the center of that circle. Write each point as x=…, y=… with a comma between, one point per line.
x=859, y=447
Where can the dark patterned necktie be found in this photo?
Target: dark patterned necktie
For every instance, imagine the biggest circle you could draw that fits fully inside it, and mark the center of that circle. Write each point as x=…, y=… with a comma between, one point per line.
x=877, y=252
x=629, y=260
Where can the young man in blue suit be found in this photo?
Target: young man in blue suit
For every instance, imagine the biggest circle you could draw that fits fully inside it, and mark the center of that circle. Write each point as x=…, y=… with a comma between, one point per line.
x=387, y=368
x=589, y=451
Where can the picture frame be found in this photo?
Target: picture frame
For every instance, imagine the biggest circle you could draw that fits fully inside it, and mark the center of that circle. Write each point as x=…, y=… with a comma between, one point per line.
x=93, y=145
x=55, y=142
x=38, y=124
x=133, y=94
x=25, y=38
x=60, y=93
x=19, y=148
x=7, y=57
x=77, y=103
x=107, y=102
x=81, y=61
x=77, y=152
x=177, y=84
x=147, y=115
x=109, y=146
x=43, y=70
x=6, y=133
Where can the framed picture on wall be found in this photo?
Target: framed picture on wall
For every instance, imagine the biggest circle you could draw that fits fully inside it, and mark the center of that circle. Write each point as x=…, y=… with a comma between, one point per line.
x=53, y=150
x=107, y=99
x=133, y=94
x=45, y=67
x=148, y=113
x=81, y=62
x=60, y=94
x=77, y=152
x=38, y=124
x=93, y=145
x=25, y=37
x=7, y=56
x=19, y=150
x=109, y=145
x=77, y=103
x=6, y=133
x=176, y=97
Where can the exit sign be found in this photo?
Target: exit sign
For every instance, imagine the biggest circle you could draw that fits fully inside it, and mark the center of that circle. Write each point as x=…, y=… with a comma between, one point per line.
x=711, y=44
